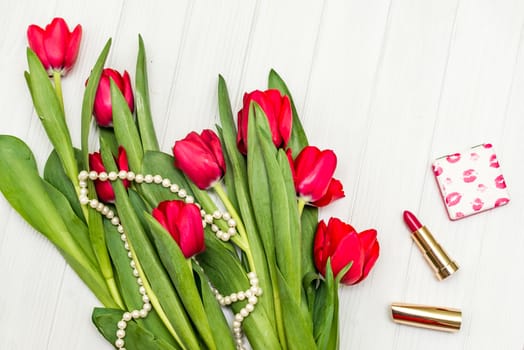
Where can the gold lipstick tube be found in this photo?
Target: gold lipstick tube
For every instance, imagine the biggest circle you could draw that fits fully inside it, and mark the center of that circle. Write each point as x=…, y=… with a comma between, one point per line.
x=431, y=317
x=437, y=258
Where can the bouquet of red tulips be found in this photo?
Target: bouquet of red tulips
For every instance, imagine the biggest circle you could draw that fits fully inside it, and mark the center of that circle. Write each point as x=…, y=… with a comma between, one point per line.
x=169, y=241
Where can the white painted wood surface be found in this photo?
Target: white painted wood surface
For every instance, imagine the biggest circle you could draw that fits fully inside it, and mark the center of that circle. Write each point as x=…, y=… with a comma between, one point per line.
x=389, y=85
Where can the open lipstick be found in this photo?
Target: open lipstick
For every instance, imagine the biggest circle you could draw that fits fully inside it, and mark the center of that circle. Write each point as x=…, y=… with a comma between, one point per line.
x=436, y=257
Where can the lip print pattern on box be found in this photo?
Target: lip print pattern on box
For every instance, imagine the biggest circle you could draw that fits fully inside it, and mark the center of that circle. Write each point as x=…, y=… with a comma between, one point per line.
x=471, y=181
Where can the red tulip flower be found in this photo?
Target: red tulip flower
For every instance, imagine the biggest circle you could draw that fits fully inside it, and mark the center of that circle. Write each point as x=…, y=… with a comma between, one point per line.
x=278, y=111
x=55, y=46
x=313, y=176
x=200, y=157
x=343, y=245
x=102, y=109
x=104, y=190
x=184, y=223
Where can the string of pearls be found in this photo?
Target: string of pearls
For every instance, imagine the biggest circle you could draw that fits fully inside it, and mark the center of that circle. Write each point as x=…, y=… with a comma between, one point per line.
x=207, y=219
x=251, y=295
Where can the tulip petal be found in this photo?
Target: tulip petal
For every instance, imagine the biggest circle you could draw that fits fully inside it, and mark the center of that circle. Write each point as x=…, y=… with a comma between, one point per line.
x=127, y=91
x=320, y=242
x=72, y=47
x=335, y=191
x=371, y=257
x=56, y=38
x=189, y=225
x=314, y=170
x=349, y=250
x=285, y=121
x=35, y=37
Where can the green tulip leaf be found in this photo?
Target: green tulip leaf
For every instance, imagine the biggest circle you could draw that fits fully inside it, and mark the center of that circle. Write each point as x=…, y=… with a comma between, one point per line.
x=55, y=175
x=143, y=108
x=125, y=128
x=299, y=333
x=128, y=286
x=137, y=337
x=89, y=99
x=49, y=109
x=214, y=313
x=77, y=227
x=181, y=274
x=227, y=275
x=26, y=192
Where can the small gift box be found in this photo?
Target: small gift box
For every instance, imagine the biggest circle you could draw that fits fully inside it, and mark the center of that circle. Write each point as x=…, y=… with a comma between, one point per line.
x=471, y=181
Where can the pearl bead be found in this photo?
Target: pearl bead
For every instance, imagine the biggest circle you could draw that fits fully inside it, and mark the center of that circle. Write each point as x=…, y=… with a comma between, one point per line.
x=241, y=296
x=232, y=231
x=254, y=281
x=214, y=228
x=139, y=281
x=251, y=275
x=120, y=333
x=139, y=178
x=126, y=246
x=208, y=218
x=123, y=237
x=174, y=188
x=143, y=313
x=190, y=199
x=239, y=317
x=100, y=207
x=236, y=324
x=93, y=175
x=122, y=324
x=82, y=176
x=147, y=307
x=115, y=221
x=182, y=193
x=110, y=214
x=157, y=179
x=84, y=200
x=112, y=176
x=244, y=312
x=226, y=216
x=252, y=300
x=131, y=175
x=217, y=214
x=122, y=175
x=93, y=203
x=82, y=183
x=127, y=316
x=119, y=343
x=227, y=300
x=132, y=264
x=231, y=222
x=142, y=290
x=102, y=176
x=145, y=299
x=148, y=178
x=233, y=297
x=130, y=255
x=135, y=273
x=166, y=183
x=120, y=229
x=83, y=192
x=135, y=314
x=105, y=211
x=249, y=308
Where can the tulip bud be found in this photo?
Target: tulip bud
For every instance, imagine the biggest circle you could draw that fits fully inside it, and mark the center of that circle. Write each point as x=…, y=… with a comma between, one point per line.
x=340, y=243
x=278, y=112
x=184, y=223
x=55, y=46
x=200, y=157
x=102, y=109
x=313, y=176
x=104, y=190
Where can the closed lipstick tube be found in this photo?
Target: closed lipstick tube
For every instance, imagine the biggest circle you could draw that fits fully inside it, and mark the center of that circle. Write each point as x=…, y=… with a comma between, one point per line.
x=437, y=258
x=432, y=317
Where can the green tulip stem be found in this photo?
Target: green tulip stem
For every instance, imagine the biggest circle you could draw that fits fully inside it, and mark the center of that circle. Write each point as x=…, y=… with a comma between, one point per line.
x=154, y=299
x=301, y=203
x=113, y=289
x=242, y=241
x=57, y=78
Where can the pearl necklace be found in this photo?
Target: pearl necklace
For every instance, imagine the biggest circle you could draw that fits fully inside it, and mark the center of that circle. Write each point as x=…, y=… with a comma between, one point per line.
x=251, y=294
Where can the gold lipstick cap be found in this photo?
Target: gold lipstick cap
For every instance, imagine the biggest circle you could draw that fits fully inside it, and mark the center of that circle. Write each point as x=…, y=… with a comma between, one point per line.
x=432, y=317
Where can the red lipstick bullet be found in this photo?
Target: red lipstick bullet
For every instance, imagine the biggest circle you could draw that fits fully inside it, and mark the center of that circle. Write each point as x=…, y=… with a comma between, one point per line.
x=436, y=257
